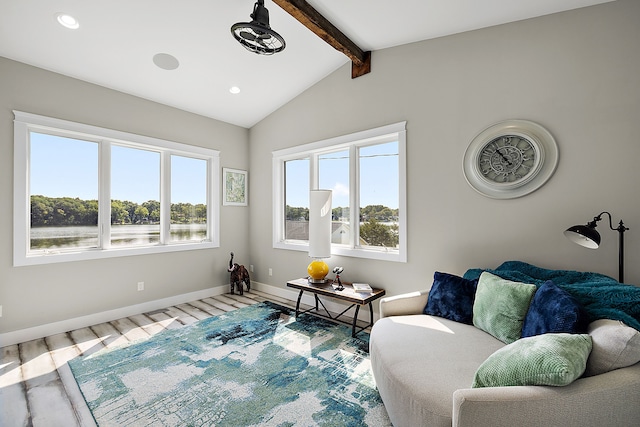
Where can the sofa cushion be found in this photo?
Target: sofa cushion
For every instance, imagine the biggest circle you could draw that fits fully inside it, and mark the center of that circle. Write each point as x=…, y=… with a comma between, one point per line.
x=501, y=306
x=615, y=345
x=549, y=359
x=451, y=297
x=554, y=310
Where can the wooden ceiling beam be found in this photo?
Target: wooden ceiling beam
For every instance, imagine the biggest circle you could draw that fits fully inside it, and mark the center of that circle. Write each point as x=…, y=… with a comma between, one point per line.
x=319, y=25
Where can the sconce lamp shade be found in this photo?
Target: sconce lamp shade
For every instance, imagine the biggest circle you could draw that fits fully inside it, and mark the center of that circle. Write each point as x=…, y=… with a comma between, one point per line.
x=583, y=235
x=320, y=224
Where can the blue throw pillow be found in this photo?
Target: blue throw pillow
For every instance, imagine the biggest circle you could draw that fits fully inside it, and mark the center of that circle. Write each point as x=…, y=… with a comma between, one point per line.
x=451, y=297
x=554, y=310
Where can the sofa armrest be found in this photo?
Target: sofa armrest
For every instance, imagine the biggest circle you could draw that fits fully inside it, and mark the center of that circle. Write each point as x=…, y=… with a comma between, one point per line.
x=404, y=304
x=607, y=399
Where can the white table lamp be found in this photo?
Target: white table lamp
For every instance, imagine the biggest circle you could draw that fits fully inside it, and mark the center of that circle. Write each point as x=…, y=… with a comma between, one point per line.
x=319, y=234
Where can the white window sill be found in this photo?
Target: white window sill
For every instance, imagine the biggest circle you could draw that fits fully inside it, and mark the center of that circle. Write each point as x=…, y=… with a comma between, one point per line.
x=53, y=257
x=377, y=253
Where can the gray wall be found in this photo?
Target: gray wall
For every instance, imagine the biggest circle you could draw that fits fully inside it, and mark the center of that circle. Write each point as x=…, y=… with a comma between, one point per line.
x=37, y=295
x=576, y=73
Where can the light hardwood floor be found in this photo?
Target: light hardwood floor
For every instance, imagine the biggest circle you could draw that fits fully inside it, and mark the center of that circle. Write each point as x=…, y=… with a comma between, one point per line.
x=36, y=384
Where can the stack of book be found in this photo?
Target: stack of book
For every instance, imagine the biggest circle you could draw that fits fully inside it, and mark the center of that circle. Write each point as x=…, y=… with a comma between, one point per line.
x=362, y=287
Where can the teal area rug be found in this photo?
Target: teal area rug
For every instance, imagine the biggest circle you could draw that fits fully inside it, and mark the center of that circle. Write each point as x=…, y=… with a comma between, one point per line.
x=253, y=366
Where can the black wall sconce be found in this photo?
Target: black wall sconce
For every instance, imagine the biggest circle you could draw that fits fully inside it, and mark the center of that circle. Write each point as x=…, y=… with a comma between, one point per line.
x=587, y=236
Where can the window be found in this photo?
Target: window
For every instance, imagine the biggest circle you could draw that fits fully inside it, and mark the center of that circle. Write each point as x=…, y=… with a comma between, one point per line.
x=296, y=197
x=135, y=197
x=84, y=192
x=188, y=199
x=366, y=173
x=64, y=193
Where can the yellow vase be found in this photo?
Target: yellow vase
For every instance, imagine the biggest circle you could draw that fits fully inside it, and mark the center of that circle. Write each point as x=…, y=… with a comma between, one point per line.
x=317, y=269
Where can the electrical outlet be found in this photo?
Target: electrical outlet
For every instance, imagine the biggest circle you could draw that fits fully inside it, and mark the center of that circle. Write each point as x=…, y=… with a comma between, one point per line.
x=251, y=268
x=141, y=286
x=270, y=272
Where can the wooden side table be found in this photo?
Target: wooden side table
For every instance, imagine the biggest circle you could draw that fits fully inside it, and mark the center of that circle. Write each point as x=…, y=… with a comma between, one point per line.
x=357, y=300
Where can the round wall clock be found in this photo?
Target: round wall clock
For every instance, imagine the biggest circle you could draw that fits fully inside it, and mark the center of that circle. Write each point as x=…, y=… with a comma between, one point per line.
x=510, y=159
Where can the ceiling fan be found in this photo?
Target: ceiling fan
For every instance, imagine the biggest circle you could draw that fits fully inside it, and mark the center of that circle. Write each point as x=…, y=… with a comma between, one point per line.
x=257, y=36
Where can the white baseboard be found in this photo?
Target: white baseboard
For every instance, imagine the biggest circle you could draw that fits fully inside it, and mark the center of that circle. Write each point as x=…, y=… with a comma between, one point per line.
x=333, y=305
x=41, y=331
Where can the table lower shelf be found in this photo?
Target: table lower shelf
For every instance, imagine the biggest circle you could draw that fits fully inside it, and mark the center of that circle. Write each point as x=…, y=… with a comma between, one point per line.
x=355, y=329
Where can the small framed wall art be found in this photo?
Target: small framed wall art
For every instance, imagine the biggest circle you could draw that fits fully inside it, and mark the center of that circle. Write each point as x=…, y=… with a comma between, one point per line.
x=235, y=191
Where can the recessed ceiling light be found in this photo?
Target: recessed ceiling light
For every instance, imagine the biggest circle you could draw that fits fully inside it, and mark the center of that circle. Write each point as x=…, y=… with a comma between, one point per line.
x=234, y=90
x=67, y=21
x=165, y=61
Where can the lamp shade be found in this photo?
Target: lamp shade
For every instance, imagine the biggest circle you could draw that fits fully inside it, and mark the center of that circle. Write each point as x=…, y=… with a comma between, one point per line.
x=320, y=223
x=583, y=235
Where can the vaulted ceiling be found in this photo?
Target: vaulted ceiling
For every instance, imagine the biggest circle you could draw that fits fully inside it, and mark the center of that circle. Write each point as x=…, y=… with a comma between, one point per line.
x=117, y=40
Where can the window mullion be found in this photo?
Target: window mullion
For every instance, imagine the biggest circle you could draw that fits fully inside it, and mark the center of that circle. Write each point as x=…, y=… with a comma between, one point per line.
x=214, y=205
x=402, y=193
x=354, y=197
x=21, y=193
x=210, y=233
x=104, y=195
x=279, y=188
x=165, y=197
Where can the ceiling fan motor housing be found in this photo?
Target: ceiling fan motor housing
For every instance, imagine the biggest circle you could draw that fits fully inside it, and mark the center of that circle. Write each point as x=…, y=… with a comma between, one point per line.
x=260, y=14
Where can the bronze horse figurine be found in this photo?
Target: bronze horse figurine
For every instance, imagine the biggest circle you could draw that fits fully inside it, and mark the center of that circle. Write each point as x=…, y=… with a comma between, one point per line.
x=239, y=275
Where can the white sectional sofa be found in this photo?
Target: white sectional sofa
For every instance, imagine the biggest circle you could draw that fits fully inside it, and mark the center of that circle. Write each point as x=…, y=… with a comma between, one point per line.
x=424, y=367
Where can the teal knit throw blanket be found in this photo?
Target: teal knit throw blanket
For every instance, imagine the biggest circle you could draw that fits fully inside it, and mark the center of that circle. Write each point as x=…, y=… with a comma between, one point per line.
x=602, y=296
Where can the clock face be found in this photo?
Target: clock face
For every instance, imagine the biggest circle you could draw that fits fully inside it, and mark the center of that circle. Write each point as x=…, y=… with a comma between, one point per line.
x=507, y=158
x=510, y=159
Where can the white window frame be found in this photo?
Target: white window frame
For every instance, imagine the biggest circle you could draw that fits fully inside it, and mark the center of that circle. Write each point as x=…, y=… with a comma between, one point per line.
x=392, y=132
x=25, y=123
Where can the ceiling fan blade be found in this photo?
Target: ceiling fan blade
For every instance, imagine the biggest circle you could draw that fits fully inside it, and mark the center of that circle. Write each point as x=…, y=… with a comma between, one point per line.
x=247, y=35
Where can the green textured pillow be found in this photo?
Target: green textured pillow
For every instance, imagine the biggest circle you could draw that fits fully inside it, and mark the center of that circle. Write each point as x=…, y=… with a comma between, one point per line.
x=548, y=359
x=501, y=306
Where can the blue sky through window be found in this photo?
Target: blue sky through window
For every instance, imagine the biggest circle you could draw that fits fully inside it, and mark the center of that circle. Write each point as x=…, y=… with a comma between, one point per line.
x=379, y=174
x=378, y=180
x=135, y=174
x=65, y=167
x=188, y=180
